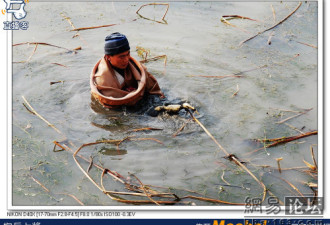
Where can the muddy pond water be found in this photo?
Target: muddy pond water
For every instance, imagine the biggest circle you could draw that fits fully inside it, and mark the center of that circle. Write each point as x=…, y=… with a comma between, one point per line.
x=277, y=81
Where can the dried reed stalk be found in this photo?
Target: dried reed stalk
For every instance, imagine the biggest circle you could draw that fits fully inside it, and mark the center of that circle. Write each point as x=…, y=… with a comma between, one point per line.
x=146, y=139
x=42, y=118
x=121, y=179
x=269, y=41
x=38, y=182
x=240, y=17
x=44, y=43
x=310, y=45
x=145, y=128
x=111, y=193
x=230, y=156
x=282, y=140
x=130, y=138
x=211, y=200
x=68, y=19
x=261, y=32
x=59, y=64
x=223, y=20
x=278, y=164
x=72, y=196
x=142, y=52
x=298, y=168
x=310, y=166
x=163, y=18
x=155, y=58
x=180, y=129
x=144, y=190
x=90, y=164
x=238, y=74
x=224, y=76
x=59, y=145
x=113, y=174
x=34, y=50
x=313, y=157
x=237, y=90
x=294, y=116
x=93, y=27
x=294, y=128
x=72, y=25
x=274, y=14
x=222, y=178
x=291, y=185
x=48, y=191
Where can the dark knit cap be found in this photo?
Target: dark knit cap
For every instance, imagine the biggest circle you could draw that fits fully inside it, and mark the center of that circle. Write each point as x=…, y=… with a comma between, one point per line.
x=116, y=43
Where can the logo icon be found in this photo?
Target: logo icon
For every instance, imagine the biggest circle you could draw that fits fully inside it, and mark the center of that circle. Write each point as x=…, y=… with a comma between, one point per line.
x=18, y=13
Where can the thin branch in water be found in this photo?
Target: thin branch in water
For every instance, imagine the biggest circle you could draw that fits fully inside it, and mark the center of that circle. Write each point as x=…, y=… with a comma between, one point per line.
x=261, y=32
x=163, y=21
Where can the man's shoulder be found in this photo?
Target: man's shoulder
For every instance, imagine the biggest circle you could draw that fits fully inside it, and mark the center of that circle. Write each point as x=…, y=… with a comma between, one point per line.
x=102, y=68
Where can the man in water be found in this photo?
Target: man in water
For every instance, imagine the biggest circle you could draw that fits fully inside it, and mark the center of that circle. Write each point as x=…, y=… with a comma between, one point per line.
x=119, y=75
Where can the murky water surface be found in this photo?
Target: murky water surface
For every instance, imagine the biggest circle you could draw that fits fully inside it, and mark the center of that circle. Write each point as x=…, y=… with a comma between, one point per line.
x=195, y=41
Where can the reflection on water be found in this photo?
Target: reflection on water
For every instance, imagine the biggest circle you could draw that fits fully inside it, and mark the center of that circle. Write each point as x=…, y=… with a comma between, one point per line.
x=279, y=82
x=112, y=151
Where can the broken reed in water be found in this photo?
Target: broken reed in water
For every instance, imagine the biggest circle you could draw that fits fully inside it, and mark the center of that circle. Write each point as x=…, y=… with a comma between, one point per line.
x=163, y=21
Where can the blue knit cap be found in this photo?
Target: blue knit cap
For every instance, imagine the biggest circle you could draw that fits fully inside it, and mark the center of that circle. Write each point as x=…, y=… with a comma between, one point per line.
x=116, y=43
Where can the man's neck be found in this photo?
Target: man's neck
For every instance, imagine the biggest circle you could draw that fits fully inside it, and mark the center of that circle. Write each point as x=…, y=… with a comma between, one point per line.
x=120, y=71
